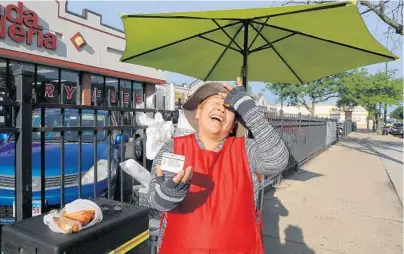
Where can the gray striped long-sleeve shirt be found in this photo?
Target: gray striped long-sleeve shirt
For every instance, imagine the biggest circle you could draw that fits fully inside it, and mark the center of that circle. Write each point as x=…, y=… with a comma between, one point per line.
x=266, y=153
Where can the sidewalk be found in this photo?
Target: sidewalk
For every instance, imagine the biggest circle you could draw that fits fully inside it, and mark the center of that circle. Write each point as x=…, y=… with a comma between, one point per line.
x=340, y=202
x=390, y=152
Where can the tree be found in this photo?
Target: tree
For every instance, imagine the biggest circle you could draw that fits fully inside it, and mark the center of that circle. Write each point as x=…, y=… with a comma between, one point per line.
x=309, y=94
x=249, y=90
x=388, y=11
x=371, y=91
x=391, y=15
x=397, y=113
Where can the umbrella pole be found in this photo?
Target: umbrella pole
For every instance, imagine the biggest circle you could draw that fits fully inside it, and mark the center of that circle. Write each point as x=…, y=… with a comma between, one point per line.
x=244, y=68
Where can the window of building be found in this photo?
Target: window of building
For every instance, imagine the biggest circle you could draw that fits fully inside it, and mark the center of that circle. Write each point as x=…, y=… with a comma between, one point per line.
x=70, y=82
x=27, y=69
x=47, y=84
x=126, y=91
x=3, y=91
x=3, y=78
x=138, y=94
x=97, y=88
x=111, y=89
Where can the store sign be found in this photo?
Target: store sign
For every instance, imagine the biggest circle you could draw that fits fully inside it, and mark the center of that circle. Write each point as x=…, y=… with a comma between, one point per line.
x=51, y=93
x=22, y=27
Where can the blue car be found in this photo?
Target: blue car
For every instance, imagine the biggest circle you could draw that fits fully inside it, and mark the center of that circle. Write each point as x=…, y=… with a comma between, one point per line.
x=53, y=159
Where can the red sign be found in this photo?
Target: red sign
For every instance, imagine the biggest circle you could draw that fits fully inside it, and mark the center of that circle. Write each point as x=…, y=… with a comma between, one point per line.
x=24, y=27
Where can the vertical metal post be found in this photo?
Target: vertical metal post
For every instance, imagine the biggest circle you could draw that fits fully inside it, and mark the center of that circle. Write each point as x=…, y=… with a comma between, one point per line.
x=144, y=162
x=43, y=166
x=299, y=115
x=244, y=70
x=281, y=116
x=109, y=145
x=23, y=156
x=62, y=144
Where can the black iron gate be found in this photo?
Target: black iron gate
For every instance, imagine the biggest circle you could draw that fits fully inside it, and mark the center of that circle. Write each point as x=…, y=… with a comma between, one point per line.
x=47, y=139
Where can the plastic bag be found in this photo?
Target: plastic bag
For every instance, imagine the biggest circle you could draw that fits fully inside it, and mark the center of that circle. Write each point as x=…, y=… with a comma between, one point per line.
x=137, y=171
x=183, y=127
x=158, y=133
x=70, y=225
x=143, y=119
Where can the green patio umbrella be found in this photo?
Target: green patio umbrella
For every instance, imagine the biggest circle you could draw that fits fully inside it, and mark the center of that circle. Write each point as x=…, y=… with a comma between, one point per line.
x=294, y=44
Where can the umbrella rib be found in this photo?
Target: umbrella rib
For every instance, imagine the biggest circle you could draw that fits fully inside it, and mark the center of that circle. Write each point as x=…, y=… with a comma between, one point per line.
x=222, y=54
x=228, y=36
x=325, y=40
x=286, y=63
x=168, y=16
x=279, y=55
x=177, y=17
x=219, y=43
x=179, y=41
x=318, y=8
x=266, y=46
x=256, y=36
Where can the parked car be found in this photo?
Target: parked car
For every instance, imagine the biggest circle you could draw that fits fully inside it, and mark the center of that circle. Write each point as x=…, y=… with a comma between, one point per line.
x=397, y=129
x=53, y=161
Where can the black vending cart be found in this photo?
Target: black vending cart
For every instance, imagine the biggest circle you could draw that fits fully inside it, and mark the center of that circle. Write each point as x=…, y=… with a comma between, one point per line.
x=124, y=229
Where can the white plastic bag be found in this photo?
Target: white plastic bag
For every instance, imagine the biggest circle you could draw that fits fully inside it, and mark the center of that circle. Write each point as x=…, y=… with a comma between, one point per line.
x=75, y=206
x=143, y=119
x=158, y=133
x=183, y=126
x=137, y=171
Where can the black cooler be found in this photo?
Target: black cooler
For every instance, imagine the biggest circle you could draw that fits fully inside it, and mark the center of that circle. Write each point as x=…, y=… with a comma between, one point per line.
x=124, y=229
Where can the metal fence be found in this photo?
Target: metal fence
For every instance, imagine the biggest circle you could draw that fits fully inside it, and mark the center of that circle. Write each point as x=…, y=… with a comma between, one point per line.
x=54, y=153
x=305, y=137
x=347, y=127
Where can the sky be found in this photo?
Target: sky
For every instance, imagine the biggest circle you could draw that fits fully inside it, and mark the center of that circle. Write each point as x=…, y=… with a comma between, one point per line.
x=110, y=10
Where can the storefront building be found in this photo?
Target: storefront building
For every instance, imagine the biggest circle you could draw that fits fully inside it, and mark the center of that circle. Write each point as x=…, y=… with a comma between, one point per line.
x=69, y=58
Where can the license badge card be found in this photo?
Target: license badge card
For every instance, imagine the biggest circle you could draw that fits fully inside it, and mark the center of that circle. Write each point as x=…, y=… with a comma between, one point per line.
x=36, y=208
x=172, y=162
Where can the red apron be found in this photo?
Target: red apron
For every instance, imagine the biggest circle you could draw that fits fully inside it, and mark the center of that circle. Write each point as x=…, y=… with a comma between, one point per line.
x=218, y=214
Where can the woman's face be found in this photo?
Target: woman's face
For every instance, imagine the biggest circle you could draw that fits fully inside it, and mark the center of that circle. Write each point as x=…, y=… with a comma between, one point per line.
x=214, y=118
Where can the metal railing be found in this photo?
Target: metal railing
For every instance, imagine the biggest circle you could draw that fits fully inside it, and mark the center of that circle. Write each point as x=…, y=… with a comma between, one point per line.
x=100, y=131
x=305, y=137
x=63, y=151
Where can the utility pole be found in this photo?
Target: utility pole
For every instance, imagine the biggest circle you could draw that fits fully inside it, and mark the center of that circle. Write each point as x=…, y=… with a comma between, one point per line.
x=385, y=104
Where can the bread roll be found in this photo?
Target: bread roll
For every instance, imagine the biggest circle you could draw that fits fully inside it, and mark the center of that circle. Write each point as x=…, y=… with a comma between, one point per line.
x=66, y=225
x=84, y=216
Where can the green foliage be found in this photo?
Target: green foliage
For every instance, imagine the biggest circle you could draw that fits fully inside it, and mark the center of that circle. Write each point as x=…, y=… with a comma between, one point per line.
x=309, y=94
x=397, y=113
x=367, y=90
x=249, y=90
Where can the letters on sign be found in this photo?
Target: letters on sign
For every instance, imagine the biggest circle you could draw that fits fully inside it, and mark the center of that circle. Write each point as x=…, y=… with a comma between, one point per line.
x=51, y=92
x=22, y=27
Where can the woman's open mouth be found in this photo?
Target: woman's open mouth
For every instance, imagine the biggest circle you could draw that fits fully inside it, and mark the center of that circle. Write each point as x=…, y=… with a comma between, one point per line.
x=217, y=119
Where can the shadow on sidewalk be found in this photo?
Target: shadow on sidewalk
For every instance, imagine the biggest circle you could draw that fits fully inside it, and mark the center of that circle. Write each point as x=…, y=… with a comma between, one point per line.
x=293, y=235
x=368, y=149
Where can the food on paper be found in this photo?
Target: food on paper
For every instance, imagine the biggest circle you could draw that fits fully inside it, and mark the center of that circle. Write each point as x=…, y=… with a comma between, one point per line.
x=172, y=162
x=84, y=216
x=67, y=225
x=74, y=217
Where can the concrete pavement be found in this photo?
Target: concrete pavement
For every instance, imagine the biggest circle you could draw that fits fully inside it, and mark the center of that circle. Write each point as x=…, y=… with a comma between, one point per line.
x=390, y=152
x=342, y=201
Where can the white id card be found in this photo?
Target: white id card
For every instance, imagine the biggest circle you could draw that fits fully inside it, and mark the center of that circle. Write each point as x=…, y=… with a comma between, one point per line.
x=172, y=162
